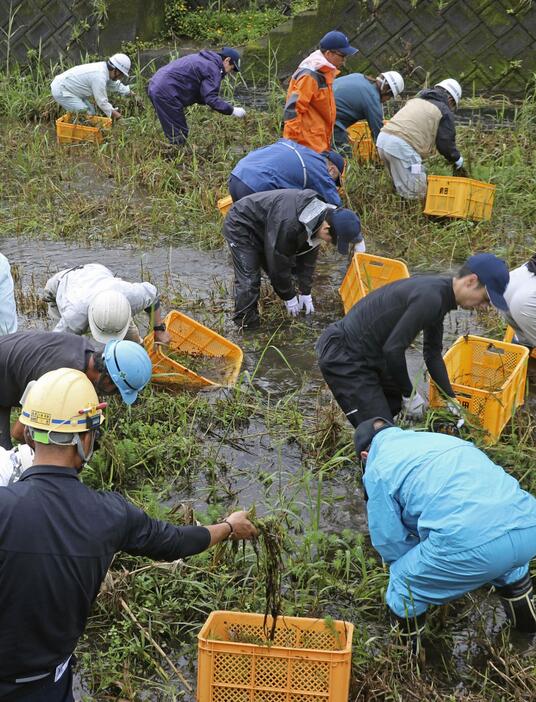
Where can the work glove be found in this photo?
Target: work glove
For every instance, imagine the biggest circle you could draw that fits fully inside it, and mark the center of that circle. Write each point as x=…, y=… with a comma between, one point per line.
x=414, y=405
x=293, y=306
x=239, y=112
x=360, y=247
x=306, y=301
x=453, y=408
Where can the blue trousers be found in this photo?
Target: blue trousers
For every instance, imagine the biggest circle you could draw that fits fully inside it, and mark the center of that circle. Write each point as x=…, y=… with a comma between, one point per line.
x=429, y=575
x=170, y=112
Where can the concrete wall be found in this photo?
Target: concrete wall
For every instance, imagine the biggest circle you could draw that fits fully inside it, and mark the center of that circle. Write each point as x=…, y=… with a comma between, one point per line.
x=489, y=45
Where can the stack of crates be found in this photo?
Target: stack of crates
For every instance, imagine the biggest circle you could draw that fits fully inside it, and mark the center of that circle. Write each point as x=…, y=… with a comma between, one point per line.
x=192, y=338
x=69, y=133
x=488, y=378
x=367, y=272
x=308, y=661
x=459, y=198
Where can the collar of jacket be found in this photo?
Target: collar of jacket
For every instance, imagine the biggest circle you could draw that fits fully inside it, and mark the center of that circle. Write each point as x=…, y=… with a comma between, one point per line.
x=49, y=470
x=318, y=62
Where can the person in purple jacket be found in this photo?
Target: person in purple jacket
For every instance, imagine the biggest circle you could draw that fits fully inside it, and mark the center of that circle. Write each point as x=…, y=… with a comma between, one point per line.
x=195, y=78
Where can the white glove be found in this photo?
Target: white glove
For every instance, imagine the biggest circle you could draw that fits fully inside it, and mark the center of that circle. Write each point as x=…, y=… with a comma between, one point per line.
x=360, y=247
x=307, y=302
x=414, y=405
x=293, y=306
x=453, y=408
x=239, y=112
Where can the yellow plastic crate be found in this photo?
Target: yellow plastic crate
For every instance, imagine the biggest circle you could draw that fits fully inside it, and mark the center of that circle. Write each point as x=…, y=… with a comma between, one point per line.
x=509, y=335
x=461, y=198
x=488, y=378
x=225, y=204
x=367, y=272
x=360, y=138
x=68, y=133
x=309, y=660
x=191, y=337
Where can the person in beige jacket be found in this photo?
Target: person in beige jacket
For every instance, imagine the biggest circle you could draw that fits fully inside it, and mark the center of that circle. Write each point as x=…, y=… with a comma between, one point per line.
x=425, y=124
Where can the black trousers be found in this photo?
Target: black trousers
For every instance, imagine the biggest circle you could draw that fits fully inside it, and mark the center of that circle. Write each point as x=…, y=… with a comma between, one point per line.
x=5, y=428
x=247, y=263
x=238, y=189
x=40, y=691
x=362, y=389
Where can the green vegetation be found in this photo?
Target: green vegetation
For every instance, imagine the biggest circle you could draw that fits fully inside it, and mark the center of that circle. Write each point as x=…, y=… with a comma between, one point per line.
x=276, y=441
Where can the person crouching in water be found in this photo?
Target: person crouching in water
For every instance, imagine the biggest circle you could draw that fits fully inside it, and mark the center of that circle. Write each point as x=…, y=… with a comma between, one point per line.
x=280, y=231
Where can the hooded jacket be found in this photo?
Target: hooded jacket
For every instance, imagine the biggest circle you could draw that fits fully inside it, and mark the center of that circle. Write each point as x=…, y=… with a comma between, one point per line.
x=287, y=164
x=310, y=110
x=195, y=78
x=426, y=123
x=424, y=486
x=270, y=223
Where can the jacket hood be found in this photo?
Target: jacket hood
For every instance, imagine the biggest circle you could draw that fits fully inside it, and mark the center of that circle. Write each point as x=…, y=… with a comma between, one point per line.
x=316, y=61
x=435, y=94
x=212, y=56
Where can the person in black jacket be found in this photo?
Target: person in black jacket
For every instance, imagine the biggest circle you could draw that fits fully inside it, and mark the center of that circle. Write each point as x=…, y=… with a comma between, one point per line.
x=362, y=356
x=280, y=231
x=425, y=124
x=59, y=537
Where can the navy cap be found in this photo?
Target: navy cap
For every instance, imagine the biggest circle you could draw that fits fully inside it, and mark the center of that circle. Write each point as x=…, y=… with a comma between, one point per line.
x=228, y=52
x=337, y=160
x=493, y=273
x=345, y=228
x=365, y=432
x=337, y=41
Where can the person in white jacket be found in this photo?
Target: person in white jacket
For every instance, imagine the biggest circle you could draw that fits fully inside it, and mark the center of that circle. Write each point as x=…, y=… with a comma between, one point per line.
x=8, y=309
x=521, y=298
x=73, y=88
x=91, y=298
x=13, y=463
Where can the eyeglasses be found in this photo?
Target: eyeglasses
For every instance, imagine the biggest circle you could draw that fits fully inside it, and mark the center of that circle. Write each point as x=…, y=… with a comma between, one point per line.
x=338, y=53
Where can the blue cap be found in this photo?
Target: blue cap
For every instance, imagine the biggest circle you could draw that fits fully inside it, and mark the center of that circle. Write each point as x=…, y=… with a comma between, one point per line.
x=345, y=228
x=337, y=41
x=337, y=160
x=493, y=273
x=228, y=52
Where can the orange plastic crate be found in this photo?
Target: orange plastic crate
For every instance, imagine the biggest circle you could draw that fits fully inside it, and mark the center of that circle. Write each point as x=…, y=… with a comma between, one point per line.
x=191, y=337
x=309, y=660
x=460, y=198
x=509, y=335
x=68, y=133
x=488, y=378
x=360, y=138
x=367, y=272
x=225, y=204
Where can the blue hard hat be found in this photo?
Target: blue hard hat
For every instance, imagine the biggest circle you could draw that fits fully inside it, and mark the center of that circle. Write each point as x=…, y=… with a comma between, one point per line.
x=129, y=366
x=228, y=52
x=337, y=41
x=345, y=228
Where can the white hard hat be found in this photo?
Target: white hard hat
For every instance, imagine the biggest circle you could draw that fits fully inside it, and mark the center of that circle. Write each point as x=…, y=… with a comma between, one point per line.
x=109, y=316
x=394, y=81
x=453, y=88
x=121, y=62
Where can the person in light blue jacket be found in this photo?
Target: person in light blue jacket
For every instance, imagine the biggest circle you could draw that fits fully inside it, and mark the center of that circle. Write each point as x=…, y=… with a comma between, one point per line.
x=447, y=520
x=8, y=309
x=287, y=164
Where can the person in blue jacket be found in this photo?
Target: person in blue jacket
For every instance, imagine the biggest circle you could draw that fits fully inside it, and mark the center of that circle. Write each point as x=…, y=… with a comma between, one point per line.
x=195, y=78
x=447, y=520
x=287, y=164
x=359, y=97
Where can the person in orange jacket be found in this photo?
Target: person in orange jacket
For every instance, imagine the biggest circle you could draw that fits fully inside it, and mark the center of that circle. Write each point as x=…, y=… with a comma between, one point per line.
x=310, y=110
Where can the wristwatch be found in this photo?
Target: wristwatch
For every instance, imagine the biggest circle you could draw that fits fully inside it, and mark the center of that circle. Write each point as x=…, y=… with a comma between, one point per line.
x=160, y=327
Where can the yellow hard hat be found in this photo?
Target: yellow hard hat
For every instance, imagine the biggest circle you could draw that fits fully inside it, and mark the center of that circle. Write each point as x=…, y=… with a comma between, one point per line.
x=63, y=401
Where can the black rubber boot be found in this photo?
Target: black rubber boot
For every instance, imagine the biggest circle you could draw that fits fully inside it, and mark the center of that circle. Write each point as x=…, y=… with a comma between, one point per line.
x=409, y=629
x=519, y=604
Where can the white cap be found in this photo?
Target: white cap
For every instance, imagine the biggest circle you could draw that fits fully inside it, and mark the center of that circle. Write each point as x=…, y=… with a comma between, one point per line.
x=121, y=62
x=394, y=80
x=109, y=316
x=453, y=88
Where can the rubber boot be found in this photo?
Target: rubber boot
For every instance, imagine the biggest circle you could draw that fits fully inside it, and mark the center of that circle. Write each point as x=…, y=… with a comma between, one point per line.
x=409, y=629
x=519, y=604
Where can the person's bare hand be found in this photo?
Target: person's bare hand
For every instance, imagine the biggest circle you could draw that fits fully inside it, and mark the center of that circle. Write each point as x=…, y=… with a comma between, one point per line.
x=242, y=527
x=162, y=337
x=116, y=114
